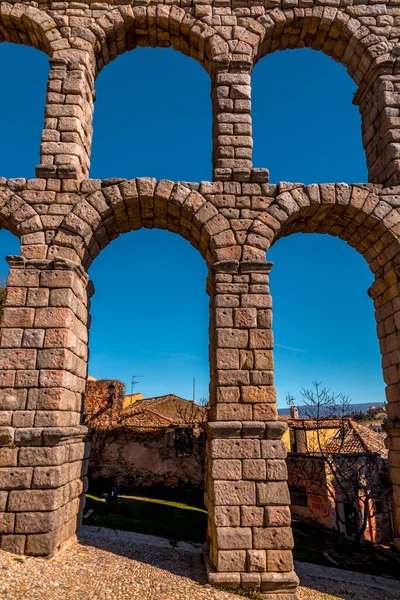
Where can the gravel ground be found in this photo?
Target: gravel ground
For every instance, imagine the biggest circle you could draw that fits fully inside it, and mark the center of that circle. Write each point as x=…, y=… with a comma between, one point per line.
x=101, y=567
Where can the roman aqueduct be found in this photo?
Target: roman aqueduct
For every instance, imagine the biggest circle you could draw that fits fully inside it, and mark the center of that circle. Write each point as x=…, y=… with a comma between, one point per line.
x=64, y=219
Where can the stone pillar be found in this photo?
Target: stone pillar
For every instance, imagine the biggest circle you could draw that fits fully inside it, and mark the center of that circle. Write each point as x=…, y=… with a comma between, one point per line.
x=379, y=101
x=232, y=139
x=43, y=454
x=232, y=133
x=249, y=536
x=385, y=292
x=67, y=134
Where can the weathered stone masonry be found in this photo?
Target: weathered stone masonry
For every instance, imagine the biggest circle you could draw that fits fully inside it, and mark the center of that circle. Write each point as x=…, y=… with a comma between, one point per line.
x=64, y=219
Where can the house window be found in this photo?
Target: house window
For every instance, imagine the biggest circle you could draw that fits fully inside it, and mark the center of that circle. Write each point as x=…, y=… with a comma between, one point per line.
x=298, y=495
x=293, y=441
x=183, y=441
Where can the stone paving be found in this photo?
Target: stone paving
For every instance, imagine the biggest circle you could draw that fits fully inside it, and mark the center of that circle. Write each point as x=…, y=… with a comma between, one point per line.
x=109, y=565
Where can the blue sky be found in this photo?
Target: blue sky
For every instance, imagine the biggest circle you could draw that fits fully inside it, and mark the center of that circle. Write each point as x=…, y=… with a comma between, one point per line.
x=150, y=310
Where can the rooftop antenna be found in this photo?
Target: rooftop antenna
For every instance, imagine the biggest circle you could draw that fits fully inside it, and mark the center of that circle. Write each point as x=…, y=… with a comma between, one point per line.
x=194, y=389
x=133, y=382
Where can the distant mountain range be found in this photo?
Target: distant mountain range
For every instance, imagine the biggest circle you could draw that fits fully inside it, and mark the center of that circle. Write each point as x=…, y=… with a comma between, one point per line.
x=303, y=410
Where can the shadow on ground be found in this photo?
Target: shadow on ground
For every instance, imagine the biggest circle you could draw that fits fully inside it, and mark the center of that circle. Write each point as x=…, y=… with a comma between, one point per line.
x=177, y=558
x=184, y=560
x=130, y=528
x=169, y=519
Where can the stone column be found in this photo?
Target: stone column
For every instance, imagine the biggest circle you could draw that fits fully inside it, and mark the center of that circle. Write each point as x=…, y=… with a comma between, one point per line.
x=232, y=133
x=379, y=101
x=249, y=536
x=67, y=134
x=43, y=454
x=385, y=291
x=232, y=139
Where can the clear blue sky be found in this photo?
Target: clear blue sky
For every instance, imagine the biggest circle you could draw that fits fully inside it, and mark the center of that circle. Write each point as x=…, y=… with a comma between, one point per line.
x=150, y=310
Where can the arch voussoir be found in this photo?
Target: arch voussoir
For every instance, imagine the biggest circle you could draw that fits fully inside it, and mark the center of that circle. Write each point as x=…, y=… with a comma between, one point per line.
x=23, y=24
x=144, y=202
x=123, y=28
x=16, y=215
x=329, y=29
x=360, y=215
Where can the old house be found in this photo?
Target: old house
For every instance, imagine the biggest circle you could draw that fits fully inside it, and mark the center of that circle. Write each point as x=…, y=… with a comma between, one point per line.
x=144, y=442
x=338, y=474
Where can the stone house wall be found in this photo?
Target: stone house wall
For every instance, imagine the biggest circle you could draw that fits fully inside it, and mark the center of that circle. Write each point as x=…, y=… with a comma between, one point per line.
x=151, y=459
x=150, y=443
x=320, y=505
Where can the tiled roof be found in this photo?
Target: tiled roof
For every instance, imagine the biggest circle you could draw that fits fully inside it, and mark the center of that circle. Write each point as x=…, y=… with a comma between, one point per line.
x=145, y=418
x=358, y=439
x=146, y=403
x=163, y=411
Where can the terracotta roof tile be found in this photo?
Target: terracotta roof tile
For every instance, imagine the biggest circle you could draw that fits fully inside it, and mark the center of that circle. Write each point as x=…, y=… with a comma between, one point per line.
x=357, y=440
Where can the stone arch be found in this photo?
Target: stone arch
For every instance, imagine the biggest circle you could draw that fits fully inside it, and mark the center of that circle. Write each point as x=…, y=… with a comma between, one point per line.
x=338, y=34
x=126, y=27
x=328, y=29
x=367, y=217
x=367, y=52
x=16, y=215
x=29, y=26
x=115, y=32
x=143, y=202
x=22, y=24
x=361, y=215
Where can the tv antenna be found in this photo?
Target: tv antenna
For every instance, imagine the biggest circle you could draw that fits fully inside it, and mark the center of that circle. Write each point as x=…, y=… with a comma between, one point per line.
x=134, y=382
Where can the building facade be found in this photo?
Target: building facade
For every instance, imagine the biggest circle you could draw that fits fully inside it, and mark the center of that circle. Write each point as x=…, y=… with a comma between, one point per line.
x=338, y=474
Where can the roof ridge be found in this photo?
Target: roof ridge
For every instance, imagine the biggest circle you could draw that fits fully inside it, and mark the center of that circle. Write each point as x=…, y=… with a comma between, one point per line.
x=356, y=428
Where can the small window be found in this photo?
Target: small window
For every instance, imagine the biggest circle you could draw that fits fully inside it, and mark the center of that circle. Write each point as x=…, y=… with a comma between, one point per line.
x=341, y=433
x=298, y=495
x=350, y=518
x=183, y=441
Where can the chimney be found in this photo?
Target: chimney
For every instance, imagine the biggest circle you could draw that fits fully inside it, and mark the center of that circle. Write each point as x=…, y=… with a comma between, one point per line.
x=294, y=412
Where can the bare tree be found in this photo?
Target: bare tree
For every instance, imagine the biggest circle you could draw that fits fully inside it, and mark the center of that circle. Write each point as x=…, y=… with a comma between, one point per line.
x=328, y=466
x=102, y=414
x=189, y=437
x=203, y=401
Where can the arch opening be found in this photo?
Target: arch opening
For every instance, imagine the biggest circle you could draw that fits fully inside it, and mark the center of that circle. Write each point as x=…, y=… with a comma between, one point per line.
x=148, y=443
x=342, y=341
x=21, y=121
x=318, y=134
x=166, y=142
x=10, y=245
x=326, y=339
